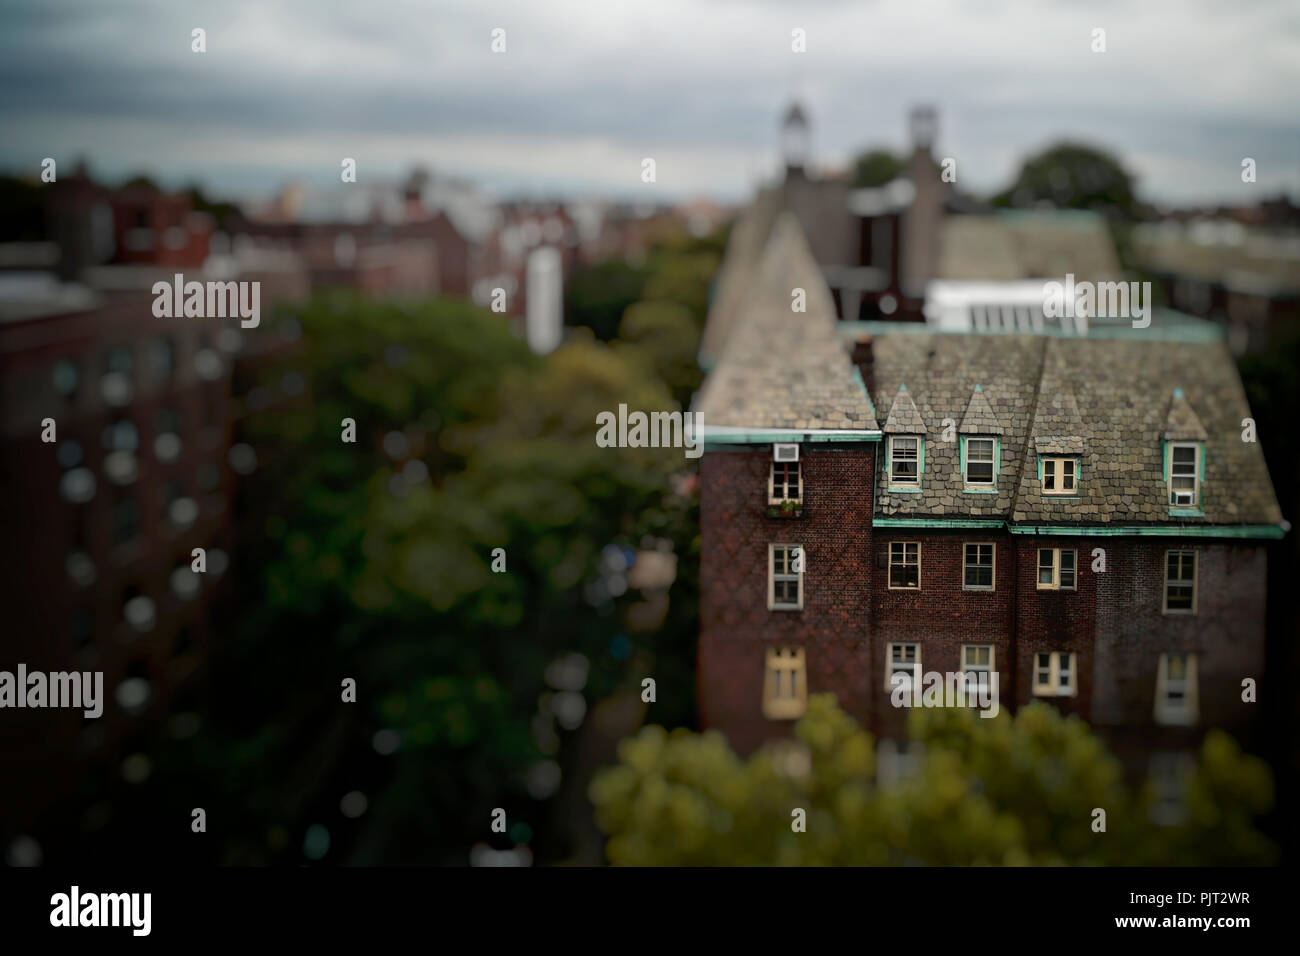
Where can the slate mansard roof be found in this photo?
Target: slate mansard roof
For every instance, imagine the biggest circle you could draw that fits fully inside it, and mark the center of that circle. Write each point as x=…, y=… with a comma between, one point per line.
x=1111, y=403
x=782, y=369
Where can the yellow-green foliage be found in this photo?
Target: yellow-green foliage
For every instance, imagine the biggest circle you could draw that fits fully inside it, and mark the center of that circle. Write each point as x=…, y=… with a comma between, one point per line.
x=1000, y=791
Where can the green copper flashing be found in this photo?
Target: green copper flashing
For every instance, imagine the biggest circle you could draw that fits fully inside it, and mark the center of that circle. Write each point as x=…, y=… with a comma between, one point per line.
x=921, y=522
x=1268, y=531
x=716, y=440
x=1162, y=531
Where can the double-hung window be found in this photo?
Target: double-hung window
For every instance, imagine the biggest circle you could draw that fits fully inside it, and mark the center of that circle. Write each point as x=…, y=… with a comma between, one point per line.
x=905, y=460
x=903, y=659
x=1056, y=569
x=1180, y=582
x=979, y=462
x=785, y=577
x=1184, y=475
x=977, y=661
x=785, y=690
x=1054, y=674
x=904, y=565
x=978, y=567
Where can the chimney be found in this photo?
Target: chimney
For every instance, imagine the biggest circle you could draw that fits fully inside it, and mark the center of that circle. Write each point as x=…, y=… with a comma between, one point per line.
x=864, y=360
x=923, y=218
x=923, y=124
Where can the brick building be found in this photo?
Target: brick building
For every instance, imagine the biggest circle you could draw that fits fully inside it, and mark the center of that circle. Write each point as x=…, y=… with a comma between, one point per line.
x=1079, y=515
x=101, y=524
x=880, y=249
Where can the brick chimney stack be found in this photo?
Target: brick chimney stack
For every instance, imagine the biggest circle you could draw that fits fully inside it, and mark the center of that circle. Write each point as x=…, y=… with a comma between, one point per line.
x=864, y=360
x=924, y=217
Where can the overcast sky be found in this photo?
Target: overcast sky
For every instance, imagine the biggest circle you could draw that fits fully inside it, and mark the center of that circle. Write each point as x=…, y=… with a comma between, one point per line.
x=587, y=88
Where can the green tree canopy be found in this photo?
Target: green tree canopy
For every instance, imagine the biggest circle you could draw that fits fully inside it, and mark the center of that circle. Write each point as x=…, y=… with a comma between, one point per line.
x=597, y=296
x=875, y=167
x=1073, y=176
x=1005, y=790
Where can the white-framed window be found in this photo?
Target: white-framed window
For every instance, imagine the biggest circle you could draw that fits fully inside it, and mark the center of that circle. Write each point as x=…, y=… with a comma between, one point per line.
x=1054, y=674
x=1176, y=698
x=977, y=660
x=784, y=482
x=785, y=687
x=1059, y=476
x=786, y=565
x=977, y=566
x=904, y=460
x=1056, y=569
x=903, y=659
x=1184, y=474
x=1180, y=582
x=979, y=461
x=904, y=565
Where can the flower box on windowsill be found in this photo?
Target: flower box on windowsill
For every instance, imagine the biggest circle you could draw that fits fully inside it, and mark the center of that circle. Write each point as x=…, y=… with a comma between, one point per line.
x=787, y=509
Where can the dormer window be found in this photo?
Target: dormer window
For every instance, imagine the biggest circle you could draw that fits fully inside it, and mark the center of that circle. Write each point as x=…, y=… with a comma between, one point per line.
x=905, y=460
x=1184, y=474
x=980, y=458
x=1060, y=476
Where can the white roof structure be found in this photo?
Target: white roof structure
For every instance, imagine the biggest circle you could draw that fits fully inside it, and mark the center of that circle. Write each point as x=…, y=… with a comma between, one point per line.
x=1009, y=306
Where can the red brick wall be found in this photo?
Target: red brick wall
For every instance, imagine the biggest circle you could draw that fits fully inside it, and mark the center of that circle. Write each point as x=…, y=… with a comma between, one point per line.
x=1056, y=620
x=1113, y=621
x=942, y=615
x=736, y=628
x=1226, y=632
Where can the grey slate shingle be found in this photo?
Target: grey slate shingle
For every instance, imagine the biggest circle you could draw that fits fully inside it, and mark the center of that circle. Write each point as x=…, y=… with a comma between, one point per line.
x=780, y=368
x=979, y=418
x=1106, y=400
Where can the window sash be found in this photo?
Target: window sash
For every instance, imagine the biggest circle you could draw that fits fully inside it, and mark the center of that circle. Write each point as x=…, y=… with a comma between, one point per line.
x=1184, y=473
x=1060, y=476
x=785, y=482
x=1180, y=582
x=977, y=566
x=904, y=658
x=904, y=461
x=1066, y=577
x=1057, y=569
x=1054, y=674
x=785, y=691
x=977, y=660
x=786, y=584
x=979, y=461
x=905, y=565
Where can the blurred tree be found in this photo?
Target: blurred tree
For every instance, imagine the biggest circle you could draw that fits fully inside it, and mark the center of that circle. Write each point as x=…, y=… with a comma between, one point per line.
x=1004, y=790
x=141, y=181
x=682, y=272
x=224, y=214
x=375, y=562
x=1073, y=176
x=597, y=296
x=666, y=336
x=876, y=167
